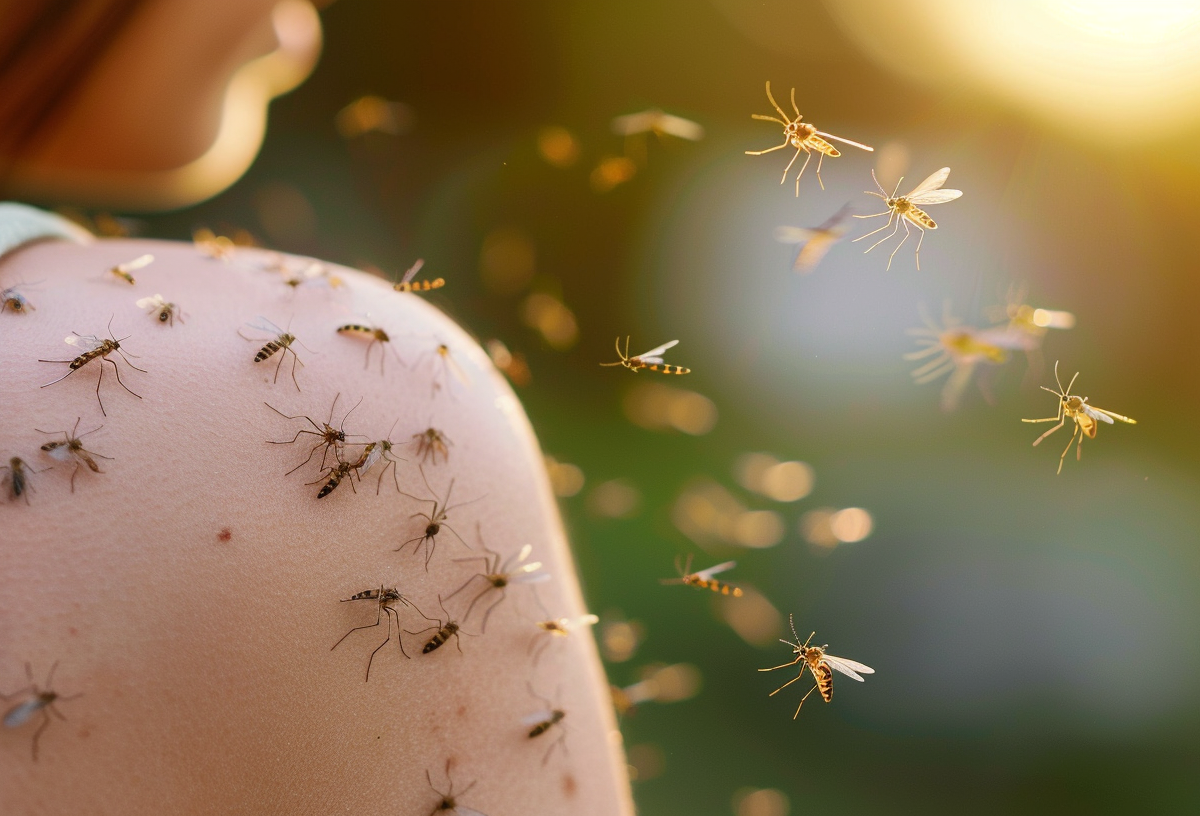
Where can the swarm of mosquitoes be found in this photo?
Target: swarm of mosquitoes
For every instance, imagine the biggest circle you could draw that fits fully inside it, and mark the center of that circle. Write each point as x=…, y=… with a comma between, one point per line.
x=349, y=456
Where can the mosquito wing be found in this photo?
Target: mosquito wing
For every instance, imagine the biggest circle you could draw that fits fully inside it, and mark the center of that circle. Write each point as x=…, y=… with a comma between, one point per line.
x=654, y=355
x=934, y=182
x=155, y=302
x=84, y=342
x=633, y=123
x=412, y=271
x=796, y=235
x=929, y=191
x=136, y=263
x=679, y=127
x=20, y=713
x=537, y=717
x=859, y=145
x=850, y=668
x=1106, y=416
x=704, y=575
x=265, y=326
x=582, y=620
x=61, y=451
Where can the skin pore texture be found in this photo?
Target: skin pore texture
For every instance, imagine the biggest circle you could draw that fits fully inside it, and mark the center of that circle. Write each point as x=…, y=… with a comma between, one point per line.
x=191, y=592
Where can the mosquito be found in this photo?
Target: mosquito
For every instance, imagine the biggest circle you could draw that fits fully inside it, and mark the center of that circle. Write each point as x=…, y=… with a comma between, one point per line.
x=11, y=298
x=904, y=210
x=545, y=719
x=211, y=245
x=281, y=341
x=385, y=599
x=165, y=311
x=449, y=803
x=650, y=360
x=125, y=271
x=72, y=448
x=406, y=283
x=312, y=272
x=556, y=629
x=814, y=242
x=332, y=476
x=704, y=578
x=498, y=575
x=431, y=442
x=373, y=453
x=436, y=519
x=332, y=438
x=445, y=631
x=802, y=136
x=635, y=126
x=17, y=478
x=955, y=349
x=375, y=335
x=1084, y=416
x=92, y=348
x=38, y=701
x=449, y=366
x=819, y=664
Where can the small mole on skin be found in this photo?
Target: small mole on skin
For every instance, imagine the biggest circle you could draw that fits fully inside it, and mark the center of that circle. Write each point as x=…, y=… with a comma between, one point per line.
x=570, y=786
x=225, y=534
x=72, y=630
x=462, y=711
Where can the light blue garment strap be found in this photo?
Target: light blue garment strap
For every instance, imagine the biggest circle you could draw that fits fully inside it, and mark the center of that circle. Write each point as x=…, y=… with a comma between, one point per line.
x=21, y=224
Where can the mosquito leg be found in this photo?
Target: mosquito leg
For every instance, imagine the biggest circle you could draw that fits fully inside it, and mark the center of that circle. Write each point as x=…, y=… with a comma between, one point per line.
x=789, y=164
x=769, y=149
x=807, y=157
x=919, y=242
x=1062, y=421
x=802, y=699
x=1067, y=449
x=820, y=159
x=378, y=617
x=907, y=233
x=788, y=683
x=784, y=665
x=890, y=235
x=488, y=614
x=295, y=359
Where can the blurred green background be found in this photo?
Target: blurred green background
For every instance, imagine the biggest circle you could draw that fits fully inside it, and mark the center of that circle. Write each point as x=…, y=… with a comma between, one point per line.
x=1034, y=636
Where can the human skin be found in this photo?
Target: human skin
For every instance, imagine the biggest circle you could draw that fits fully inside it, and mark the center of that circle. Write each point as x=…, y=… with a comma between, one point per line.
x=205, y=665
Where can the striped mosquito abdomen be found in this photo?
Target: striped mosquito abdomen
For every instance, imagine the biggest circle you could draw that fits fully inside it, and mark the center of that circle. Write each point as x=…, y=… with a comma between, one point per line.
x=335, y=478
x=103, y=350
x=824, y=676
x=716, y=586
x=420, y=286
x=667, y=368
x=556, y=716
x=919, y=216
x=443, y=634
x=282, y=341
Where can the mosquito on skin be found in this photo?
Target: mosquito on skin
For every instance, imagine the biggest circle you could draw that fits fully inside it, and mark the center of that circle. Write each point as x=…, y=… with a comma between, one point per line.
x=92, y=348
x=436, y=520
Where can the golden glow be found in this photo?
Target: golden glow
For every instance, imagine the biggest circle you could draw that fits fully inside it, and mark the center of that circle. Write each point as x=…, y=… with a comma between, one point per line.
x=611, y=172
x=552, y=318
x=754, y=618
x=369, y=114
x=851, y=525
x=566, y=479
x=619, y=638
x=616, y=498
x=558, y=146
x=757, y=529
x=763, y=802
x=658, y=407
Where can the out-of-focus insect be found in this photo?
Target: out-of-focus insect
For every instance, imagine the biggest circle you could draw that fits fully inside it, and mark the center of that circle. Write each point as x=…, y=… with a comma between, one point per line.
x=165, y=312
x=553, y=629
x=37, y=701
x=539, y=722
x=12, y=299
x=430, y=443
x=445, y=631
x=635, y=127
x=72, y=448
x=650, y=360
x=332, y=438
x=1084, y=416
x=375, y=335
x=814, y=242
x=17, y=478
x=436, y=519
x=819, y=664
x=407, y=284
x=125, y=271
x=385, y=599
x=449, y=803
x=312, y=272
x=498, y=575
x=449, y=366
x=956, y=349
x=664, y=684
x=906, y=209
x=373, y=453
x=1027, y=325
x=333, y=476
x=96, y=348
x=802, y=136
x=280, y=341
x=211, y=245
x=704, y=578
x=513, y=365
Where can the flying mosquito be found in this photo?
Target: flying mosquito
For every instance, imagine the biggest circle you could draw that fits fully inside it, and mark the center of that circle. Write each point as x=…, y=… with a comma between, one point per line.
x=280, y=340
x=1084, y=416
x=38, y=701
x=407, y=284
x=96, y=348
x=332, y=438
x=802, y=136
x=375, y=335
x=125, y=271
x=704, y=578
x=436, y=519
x=165, y=311
x=650, y=360
x=905, y=210
x=385, y=599
x=449, y=803
x=72, y=448
x=819, y=664
x=498, y=575
x=814, y=242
